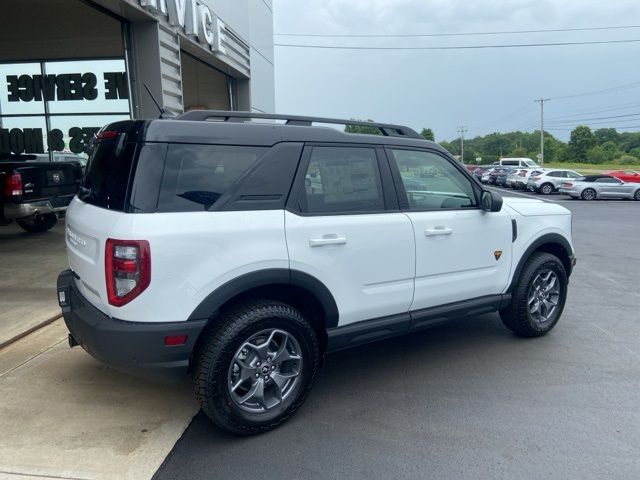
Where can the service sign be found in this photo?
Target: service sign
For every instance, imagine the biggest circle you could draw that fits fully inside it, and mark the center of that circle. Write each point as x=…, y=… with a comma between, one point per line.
x=193, y=19
x=59, y=106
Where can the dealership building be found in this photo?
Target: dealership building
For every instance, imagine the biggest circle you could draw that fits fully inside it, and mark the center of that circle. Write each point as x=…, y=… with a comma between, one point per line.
x=68, y=67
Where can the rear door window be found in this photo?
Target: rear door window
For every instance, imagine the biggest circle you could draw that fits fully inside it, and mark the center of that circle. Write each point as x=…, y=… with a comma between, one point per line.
x=196, y=176
x=341, y=180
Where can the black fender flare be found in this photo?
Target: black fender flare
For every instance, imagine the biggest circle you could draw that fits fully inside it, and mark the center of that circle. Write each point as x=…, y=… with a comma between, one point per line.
x=264, y=278
x=546, y=239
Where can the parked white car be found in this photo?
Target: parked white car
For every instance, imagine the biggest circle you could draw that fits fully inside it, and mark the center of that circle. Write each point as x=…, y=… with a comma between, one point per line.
x=202, y=248
x=516, y=162
x=549, y=181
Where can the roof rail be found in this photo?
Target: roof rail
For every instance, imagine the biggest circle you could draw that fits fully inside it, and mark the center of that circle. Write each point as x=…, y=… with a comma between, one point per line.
x=233, y=116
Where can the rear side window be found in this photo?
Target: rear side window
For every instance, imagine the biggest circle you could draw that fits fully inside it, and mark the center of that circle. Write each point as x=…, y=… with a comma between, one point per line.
x=511, y=162
x=342, y=179
x=107, y=175
x=196, y=176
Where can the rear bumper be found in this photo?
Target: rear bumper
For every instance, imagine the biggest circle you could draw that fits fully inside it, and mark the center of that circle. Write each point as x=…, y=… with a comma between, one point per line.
x=132, y=347
x=24, y=210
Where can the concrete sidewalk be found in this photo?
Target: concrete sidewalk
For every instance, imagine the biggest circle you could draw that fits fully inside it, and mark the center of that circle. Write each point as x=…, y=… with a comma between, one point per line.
x=29, y=266
x=64, y=415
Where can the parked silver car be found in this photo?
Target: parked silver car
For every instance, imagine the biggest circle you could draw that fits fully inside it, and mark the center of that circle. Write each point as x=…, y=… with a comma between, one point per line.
x=519, y=178
x=600, y=186
x=549, y=181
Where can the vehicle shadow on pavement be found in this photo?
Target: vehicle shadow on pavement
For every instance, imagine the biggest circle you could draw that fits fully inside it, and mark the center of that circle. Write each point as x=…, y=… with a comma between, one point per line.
x=390, y=391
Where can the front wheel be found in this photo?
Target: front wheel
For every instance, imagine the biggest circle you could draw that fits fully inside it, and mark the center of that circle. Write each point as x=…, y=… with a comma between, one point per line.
x=637, y=195
x=256, y=367
x=538, y=297
x=39, y=223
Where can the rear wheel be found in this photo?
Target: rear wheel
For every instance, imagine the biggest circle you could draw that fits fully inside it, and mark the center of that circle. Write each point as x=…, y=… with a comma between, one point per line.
x=39, y=223
x=538, y=297
x=546, y=189
x=256, y=368
x=588, y=194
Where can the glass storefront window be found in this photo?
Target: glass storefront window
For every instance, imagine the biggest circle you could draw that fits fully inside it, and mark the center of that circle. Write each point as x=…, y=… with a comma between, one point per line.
x=73, y=133
x=17, y=93
x=89, y=86
x=58, y=106
x=23, y=135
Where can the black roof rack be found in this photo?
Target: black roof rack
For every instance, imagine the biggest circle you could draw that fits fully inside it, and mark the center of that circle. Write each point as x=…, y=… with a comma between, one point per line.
x=386, y=129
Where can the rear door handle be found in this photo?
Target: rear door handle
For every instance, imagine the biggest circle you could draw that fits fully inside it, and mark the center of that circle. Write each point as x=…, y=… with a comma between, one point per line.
x=330, y=239
x=432, y=232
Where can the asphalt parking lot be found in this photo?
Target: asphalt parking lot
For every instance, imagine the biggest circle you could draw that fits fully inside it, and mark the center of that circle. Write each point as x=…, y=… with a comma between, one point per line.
x=470, y=400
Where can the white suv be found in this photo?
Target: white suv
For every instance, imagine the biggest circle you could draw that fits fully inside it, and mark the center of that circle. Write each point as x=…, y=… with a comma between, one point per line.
x=240, y=252
x=549, y=181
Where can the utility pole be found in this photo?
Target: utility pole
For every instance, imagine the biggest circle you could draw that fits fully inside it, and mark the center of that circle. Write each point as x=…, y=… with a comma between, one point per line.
x=541, y=102
x=462, y=130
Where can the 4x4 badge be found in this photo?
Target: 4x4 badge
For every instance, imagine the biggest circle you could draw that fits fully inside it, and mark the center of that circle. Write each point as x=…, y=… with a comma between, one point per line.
x=497, y=254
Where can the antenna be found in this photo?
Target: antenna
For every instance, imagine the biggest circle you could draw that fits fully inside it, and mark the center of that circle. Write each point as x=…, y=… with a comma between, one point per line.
x=163, y=113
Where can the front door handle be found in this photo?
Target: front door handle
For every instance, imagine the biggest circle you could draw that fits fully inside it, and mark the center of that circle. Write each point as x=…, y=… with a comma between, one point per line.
x=432, y=232
x=330, y=239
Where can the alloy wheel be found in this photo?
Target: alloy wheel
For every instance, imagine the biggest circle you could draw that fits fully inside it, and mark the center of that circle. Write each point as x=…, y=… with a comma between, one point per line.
x=265, y=370
x=544, y=296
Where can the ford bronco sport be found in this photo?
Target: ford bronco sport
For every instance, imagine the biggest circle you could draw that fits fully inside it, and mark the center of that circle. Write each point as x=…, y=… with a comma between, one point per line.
x=240, y=252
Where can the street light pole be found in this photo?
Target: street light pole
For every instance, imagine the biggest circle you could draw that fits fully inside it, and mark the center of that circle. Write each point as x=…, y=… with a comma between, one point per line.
x=461, y=131
x=541, y=102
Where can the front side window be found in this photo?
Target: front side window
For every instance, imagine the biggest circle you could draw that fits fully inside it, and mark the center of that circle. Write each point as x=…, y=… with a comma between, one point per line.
x=342, y=179
x=608, y=180
x=447, y=188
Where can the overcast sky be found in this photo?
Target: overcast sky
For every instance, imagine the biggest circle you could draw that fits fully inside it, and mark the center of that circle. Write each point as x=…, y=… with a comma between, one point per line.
x=486, y=90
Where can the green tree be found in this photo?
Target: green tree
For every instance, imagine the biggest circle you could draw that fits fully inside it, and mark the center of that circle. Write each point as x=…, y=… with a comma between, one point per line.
x=607, y=135
x=362, y=128
x=581, y=141
x=519, y=152
x=427, y=134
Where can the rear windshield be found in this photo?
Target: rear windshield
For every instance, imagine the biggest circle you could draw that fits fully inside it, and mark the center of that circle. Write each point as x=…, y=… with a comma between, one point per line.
x=107, y=175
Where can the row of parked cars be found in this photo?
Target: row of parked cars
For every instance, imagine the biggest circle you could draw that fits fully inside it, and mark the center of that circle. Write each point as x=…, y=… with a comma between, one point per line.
x=610, y=185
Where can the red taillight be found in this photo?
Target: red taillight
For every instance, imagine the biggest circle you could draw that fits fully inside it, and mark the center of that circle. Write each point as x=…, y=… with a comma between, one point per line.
x=535, y=179
x=127, y=269
x=567, y=184
x=13, y=185
x=106, y=135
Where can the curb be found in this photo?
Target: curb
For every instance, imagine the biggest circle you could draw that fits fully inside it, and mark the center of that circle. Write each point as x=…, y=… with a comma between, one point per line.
x=30, y=331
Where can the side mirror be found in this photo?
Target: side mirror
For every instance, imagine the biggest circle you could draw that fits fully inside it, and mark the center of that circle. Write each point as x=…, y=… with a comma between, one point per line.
x=490, y=201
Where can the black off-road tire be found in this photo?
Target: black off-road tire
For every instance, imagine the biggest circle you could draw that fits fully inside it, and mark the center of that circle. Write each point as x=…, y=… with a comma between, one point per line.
x=39, y=225
x=216, y=351
x=517, y=317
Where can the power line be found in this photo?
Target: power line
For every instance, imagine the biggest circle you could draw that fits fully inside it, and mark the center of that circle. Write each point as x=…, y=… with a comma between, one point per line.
x=591, y=112
x=459, y=47
x=414, y=35
x=590, y=119
x=618, y=88
x=598, y=122
x=502, y=119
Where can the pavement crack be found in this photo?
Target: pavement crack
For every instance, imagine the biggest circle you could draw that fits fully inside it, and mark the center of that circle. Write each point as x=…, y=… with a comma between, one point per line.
x=29, y=359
